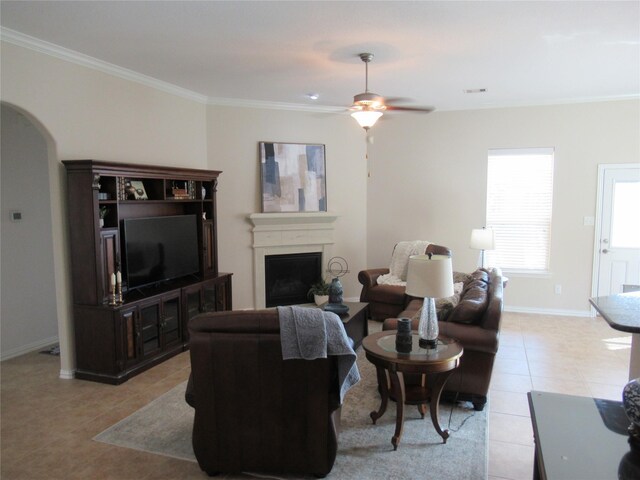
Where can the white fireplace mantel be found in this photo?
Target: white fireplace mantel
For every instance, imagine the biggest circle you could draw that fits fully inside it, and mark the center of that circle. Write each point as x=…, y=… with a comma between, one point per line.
x=287, y=233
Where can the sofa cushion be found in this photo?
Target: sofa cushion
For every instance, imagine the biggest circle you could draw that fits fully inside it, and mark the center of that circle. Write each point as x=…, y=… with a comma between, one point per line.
x=473, y=301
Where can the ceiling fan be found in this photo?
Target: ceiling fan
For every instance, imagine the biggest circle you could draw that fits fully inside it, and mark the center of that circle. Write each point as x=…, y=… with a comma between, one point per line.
x=368, y=107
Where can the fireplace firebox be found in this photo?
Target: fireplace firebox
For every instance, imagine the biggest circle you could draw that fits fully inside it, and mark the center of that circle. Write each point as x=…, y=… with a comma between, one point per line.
x=289, y=277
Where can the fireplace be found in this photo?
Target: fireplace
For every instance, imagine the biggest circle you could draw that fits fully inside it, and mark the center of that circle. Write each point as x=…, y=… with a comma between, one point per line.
x=289, y=277
x=288, y=234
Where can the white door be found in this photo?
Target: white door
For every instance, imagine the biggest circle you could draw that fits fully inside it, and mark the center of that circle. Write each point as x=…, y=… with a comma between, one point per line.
x=617, y=255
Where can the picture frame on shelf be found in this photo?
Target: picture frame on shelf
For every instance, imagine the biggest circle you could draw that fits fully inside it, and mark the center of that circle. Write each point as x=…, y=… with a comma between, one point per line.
x=138, y=191
x=293, y=177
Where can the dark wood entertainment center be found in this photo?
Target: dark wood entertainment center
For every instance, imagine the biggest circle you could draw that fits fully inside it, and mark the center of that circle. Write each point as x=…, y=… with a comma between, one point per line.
x=115, y=342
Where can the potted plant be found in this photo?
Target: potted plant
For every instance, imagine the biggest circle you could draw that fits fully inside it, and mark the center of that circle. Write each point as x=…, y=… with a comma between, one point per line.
x=319, y=291
x=103, y=213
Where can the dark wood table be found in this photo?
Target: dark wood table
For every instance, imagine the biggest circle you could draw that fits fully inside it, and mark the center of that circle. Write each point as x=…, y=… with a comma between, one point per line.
x=355, y=321
x=581, y=438
x=622, y=312
x=380, y=349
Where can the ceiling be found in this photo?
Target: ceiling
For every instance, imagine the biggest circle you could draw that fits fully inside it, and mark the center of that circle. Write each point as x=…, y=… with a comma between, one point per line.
x=522, y=53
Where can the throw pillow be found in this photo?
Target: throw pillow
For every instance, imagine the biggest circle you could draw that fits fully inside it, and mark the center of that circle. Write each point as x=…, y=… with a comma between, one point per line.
x=473, y=301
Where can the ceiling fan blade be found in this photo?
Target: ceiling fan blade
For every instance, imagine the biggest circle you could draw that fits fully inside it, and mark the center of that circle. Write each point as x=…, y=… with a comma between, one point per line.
x=411, y=109
x=392, y=100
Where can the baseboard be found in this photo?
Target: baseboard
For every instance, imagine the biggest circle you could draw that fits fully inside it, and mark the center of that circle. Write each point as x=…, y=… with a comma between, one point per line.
x=67, y=374
x=549, y=311
x=16, y=352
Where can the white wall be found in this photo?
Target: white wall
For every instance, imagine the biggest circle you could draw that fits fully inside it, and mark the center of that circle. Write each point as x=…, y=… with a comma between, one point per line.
x=429, y=182
x=91, y=114
x=234, y=134
x=28, y=306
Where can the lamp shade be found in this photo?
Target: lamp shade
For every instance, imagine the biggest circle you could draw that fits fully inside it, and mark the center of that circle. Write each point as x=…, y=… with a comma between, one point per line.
x=366, y=118
x=430, y=277
x=482, y=239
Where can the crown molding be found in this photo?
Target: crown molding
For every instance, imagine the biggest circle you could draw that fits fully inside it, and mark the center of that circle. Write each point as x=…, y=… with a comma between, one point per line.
x=238, y=102
x=41, y=46
x=545, y=103
x=47, y=48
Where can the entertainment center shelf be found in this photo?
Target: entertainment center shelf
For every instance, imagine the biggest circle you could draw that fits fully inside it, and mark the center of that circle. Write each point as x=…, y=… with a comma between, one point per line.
x=156, y=227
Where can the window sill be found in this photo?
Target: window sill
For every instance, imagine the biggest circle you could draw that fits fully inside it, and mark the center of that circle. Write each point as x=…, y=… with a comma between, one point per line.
x=527, y=273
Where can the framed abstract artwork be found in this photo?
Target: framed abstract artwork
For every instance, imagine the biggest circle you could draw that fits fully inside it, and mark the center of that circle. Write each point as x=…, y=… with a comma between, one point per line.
x=293, y=177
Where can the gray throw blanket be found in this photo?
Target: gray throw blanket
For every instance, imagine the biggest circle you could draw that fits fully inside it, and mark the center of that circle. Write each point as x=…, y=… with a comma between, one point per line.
x=310, y=333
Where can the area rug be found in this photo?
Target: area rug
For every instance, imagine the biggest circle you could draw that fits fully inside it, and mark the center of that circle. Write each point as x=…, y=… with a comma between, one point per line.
x=164, y=427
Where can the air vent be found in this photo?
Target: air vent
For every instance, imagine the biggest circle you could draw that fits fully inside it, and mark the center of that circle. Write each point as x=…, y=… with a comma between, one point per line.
x=475, y=90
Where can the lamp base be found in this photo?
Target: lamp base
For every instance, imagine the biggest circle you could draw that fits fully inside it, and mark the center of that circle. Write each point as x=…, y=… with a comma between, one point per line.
x=428, y=327
x=424, y=343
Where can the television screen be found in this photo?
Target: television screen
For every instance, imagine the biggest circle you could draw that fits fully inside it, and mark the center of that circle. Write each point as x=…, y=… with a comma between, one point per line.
x=160, y=248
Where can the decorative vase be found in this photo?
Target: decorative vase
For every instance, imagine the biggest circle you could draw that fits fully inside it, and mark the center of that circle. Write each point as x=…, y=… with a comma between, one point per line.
x=204, y=193
x=101, y=222
x=335, y=291
x=403, y=337
x=631, y=402
x=320, y=299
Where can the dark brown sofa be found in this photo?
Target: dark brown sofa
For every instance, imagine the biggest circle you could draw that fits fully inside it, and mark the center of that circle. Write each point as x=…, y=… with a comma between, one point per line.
x=254, y=411
x=475, y=323
x=387, y=300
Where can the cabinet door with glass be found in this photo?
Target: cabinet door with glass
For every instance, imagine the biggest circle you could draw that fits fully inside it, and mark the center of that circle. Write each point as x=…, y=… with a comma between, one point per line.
x=192, y=302
x=171, y=330
x=217, y=294
x=150, y=325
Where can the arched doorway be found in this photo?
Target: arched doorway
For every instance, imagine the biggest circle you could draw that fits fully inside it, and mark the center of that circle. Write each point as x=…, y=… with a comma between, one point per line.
x=30, y=303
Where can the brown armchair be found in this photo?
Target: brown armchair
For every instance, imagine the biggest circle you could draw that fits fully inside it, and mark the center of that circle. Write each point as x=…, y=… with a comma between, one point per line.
x=386, y=301
x=253, y=410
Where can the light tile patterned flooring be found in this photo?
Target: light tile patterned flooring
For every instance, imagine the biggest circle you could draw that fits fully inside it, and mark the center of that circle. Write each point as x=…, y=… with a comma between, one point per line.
x=46, y=424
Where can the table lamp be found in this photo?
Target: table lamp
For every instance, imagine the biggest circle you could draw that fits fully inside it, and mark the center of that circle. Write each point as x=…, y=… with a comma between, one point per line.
x=482, y=239
x=429, y=276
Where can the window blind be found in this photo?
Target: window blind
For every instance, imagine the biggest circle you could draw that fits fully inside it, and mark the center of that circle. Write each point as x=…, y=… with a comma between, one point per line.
x=519, y=206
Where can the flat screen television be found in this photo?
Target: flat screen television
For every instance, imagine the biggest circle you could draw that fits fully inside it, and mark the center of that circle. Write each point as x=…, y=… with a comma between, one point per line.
x=157, y=249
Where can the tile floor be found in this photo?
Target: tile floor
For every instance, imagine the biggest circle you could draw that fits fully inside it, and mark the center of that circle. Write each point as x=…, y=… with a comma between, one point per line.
x=46, y=424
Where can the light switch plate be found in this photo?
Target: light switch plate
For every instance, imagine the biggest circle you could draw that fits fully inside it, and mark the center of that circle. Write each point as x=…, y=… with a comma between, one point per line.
x=16, y=216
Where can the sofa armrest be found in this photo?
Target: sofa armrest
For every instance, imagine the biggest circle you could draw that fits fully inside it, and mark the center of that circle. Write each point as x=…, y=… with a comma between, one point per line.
x=369, y=278
x=472, y=337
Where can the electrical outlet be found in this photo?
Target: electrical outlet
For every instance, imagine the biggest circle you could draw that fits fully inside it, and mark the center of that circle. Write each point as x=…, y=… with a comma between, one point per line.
x=558, y=289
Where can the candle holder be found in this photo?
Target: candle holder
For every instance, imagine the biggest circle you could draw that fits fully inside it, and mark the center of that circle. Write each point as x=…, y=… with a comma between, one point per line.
x=119, y=287
x=112, y=298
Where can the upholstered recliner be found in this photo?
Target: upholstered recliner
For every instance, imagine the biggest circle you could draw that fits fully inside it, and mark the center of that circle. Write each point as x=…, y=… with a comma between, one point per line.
x=387, y=301
x=255, y=411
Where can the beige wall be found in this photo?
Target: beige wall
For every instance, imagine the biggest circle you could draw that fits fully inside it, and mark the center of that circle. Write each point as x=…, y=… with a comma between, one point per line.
x=90, y=114
x=428, y=181
x=233, y=136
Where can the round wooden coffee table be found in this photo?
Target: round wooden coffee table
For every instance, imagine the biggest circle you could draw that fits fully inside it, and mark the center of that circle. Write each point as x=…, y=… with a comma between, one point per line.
x=380, y=349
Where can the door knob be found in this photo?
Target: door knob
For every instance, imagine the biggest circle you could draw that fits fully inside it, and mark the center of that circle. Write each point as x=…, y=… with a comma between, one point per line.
x=604, y=250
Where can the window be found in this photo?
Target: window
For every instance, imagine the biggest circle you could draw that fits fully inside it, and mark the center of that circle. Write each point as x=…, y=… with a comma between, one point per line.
x=625, y=224
x=519, y=201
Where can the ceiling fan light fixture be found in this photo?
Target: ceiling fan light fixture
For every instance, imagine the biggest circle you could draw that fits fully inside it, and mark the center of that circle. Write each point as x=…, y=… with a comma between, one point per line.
x=366, y=117
x=368, y=99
